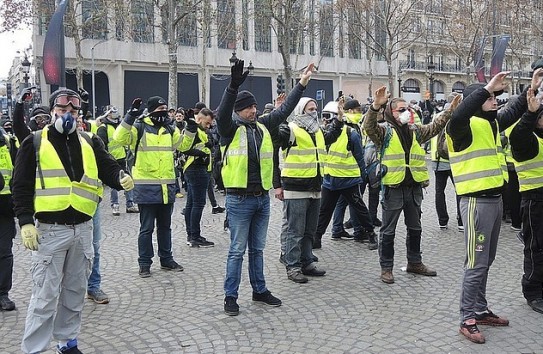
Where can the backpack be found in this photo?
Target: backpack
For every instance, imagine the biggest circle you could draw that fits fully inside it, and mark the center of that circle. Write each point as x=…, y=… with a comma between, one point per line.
x=375, y=169
x=442, y=148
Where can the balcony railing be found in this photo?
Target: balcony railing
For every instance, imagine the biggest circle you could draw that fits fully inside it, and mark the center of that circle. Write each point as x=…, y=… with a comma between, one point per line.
x=407, y=65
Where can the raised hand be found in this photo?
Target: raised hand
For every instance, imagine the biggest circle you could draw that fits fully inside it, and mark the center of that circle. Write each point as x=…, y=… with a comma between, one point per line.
x=280, y=99
x=26, y=94
x=455, y=102
x=537, y=77
x=238, y=76
x=306, y=75
x=340, y=105
x=533, y=101
x=497, y=83
x=135, y=109
x=380, y=97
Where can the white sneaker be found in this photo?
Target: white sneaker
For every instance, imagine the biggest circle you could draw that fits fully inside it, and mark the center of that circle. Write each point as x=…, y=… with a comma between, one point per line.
x=115, y=210
x=461, y=228
x=443, y=227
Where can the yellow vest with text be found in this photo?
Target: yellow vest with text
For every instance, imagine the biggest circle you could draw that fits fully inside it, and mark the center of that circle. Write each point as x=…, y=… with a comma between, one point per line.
x=481, y=166
x=154, y=159
x=55, y=191
x=6, y=166
x=340, y=162
x=530, y=173
x=115, y=149
x=394, y=160
x=306, y=158
x=235, y=169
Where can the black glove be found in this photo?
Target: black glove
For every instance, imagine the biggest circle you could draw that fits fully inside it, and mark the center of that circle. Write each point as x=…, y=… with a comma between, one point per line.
x=135, y=109
x=209, y=145
x=237, y=76
x=192, y=126
x=26, y=94
x=84, y=95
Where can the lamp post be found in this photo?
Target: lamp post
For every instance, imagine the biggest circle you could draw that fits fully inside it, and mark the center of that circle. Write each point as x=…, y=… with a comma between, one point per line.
x=399, y=83
x=25, y=65
x=251, y=69
x=93, y=84
x=431, y=70
x=233, y=58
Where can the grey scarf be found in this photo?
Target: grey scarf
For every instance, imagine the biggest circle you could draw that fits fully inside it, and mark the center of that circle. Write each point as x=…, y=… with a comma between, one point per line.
x=307, y=122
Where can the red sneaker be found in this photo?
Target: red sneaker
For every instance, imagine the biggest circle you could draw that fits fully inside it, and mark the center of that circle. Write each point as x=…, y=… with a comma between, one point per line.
x=469, y=330
x=490, y=319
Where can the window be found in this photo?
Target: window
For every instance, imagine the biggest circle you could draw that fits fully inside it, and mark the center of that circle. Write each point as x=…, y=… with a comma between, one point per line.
x=262, y=27
x=44, y=17
x=296, y=33
x=326, y=31
x=245, y=24
x=353, y=35
x=411, y=64
x=226, y=27
x=187, y=30
x=312, y=27
x=142, y=21
x=94, y=19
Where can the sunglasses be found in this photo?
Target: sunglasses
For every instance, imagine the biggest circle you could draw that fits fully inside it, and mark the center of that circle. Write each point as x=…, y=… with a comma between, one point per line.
x=65, y=100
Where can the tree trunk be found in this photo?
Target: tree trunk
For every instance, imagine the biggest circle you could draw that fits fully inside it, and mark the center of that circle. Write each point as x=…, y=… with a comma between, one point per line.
x=172, y=55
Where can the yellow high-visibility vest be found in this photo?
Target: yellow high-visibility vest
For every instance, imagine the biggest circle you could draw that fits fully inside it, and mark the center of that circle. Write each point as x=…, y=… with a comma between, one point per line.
x=235, y=169
x=340, y=162
x=481, y=166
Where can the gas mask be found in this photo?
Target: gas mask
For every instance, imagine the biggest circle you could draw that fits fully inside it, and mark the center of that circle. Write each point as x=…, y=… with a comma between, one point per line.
x=159, y=116
x=405, y=117
x=65, y=124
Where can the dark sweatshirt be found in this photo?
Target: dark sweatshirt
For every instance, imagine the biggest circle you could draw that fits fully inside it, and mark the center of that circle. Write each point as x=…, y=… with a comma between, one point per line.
x=227, y=127
x=459, y=125
x=68, y=148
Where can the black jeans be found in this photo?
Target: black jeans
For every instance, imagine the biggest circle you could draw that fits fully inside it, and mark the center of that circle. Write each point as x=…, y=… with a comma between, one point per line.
x=7, y=233
x=329, y=199
x=162, y=213
x=532, y=231
x=440, y=200
x=511, y=199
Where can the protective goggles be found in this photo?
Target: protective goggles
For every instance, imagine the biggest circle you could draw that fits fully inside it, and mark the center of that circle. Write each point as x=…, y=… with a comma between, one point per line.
x=65, y=100
x=328, y=115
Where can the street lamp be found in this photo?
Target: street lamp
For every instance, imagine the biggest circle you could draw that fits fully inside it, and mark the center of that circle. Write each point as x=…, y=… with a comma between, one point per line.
x=399, y=83
x=431, y=70
x=233, y=58
x=25, y=66
x=251, y=69
x=93, y=84
x=26, y=69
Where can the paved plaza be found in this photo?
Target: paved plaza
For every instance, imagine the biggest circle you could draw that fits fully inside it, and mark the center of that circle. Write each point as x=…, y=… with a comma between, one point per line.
x=347, y=311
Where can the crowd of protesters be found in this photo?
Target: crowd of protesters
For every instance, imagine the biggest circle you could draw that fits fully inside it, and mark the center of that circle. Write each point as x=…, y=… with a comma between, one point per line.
x=55, y=162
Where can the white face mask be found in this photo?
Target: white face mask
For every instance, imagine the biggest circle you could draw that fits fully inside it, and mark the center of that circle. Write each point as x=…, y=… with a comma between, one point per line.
x=405, y=117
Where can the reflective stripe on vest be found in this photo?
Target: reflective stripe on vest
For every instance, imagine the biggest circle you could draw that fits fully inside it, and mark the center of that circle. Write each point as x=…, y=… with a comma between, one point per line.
x=202, y=136
x=6, y=167
x=58, y=192
x=340, y=162
x=394, y=160
x=113, y=146
x=306, y=158
x=235, y=169
x=481, y=166
x=154, y=163
x=530, y=172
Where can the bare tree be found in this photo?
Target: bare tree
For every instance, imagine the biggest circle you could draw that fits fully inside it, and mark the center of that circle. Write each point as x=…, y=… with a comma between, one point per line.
x=385, y=27
x=15, y=14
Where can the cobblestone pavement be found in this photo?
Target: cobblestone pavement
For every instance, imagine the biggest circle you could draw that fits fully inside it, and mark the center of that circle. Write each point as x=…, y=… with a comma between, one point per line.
x=347, y=311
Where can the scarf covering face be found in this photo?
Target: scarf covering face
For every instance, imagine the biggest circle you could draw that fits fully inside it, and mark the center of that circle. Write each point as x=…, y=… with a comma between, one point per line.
x=308, y=122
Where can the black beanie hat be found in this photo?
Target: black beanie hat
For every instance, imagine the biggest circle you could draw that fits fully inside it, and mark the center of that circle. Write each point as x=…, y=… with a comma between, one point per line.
x=155, y=102
x=39, y=111
x=245, y=99
x=472, y=87
x=60, y=92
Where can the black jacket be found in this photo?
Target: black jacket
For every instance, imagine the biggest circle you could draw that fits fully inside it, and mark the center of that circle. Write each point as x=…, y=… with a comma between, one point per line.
x=459, y=125
x=227, y=127
x=68, y=148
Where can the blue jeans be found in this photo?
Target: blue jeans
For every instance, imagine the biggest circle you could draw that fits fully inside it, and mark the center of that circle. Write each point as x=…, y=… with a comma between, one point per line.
x=95, y=277
x=339, y=215
x=197, y=179
x=248, y=217
x=302, y=216
x=115, y=197
x=162, y=213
